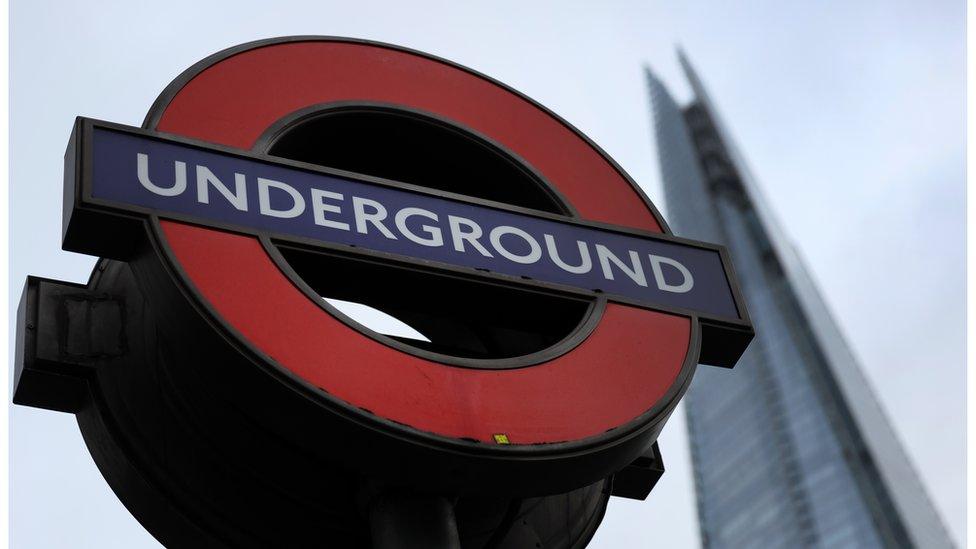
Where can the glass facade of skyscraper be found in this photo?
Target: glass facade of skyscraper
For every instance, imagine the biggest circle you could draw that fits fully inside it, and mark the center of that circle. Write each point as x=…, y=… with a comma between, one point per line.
x=790, y=449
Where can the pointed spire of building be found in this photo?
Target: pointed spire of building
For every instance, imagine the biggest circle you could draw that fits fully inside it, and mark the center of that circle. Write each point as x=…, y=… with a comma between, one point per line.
x=813, y=459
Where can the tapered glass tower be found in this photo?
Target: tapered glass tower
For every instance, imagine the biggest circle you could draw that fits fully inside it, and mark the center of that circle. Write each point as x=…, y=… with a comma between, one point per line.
x=791, y=448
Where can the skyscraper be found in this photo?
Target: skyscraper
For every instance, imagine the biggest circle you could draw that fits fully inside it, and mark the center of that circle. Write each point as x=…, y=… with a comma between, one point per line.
x=791, y=448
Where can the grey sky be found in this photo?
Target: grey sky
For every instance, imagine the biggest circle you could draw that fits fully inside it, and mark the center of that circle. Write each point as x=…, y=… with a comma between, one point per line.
x=852, y=115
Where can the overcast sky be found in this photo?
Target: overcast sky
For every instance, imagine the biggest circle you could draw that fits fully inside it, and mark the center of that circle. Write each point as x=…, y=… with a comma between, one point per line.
x=852, y=115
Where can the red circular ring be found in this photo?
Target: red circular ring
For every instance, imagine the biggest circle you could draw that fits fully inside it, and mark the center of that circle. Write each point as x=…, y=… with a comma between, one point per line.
x=630, y=362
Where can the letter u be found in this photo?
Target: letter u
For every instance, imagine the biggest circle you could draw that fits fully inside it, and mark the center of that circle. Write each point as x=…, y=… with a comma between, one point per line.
x=179, y=178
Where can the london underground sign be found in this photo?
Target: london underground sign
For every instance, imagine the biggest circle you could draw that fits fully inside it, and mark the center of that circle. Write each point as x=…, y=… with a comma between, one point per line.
x=229, y=403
